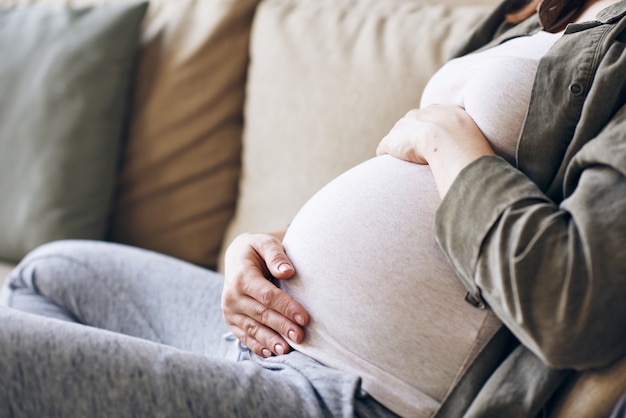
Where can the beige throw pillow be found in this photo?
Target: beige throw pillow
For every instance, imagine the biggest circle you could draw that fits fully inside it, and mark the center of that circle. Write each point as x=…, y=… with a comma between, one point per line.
x=328, y=78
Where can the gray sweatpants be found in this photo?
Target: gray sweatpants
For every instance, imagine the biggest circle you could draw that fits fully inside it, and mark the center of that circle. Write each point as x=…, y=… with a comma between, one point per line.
x=94, y=329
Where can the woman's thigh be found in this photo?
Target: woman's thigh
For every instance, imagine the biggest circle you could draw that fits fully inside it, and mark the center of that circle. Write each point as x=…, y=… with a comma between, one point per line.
x=121, y=289
x=55, y=368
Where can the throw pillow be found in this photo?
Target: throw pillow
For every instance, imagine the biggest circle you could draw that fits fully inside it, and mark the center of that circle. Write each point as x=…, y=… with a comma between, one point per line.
x=65, y=77
x=178, y=186
x=328, y=78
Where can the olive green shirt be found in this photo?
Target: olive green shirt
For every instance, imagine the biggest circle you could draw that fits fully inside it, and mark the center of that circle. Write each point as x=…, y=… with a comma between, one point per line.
x=543, y=243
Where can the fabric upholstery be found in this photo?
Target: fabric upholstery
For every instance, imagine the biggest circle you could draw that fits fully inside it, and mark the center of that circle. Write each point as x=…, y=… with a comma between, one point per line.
x=178, y=186
x=66, y=77
x=327, y=80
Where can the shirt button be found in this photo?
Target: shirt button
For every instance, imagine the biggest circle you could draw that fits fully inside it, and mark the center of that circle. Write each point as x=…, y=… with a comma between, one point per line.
x=576, y=89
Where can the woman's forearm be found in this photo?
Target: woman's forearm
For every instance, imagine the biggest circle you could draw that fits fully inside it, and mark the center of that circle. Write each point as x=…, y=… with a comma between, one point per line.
x=448, y=157
x=550, y=271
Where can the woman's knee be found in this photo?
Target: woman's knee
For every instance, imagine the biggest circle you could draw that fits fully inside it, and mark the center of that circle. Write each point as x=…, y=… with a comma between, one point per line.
x=55, y=260
x=63, y=248
x=35, y=283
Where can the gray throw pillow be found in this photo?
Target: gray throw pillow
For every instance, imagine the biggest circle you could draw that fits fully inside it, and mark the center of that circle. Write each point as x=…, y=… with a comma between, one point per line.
x=65, y=86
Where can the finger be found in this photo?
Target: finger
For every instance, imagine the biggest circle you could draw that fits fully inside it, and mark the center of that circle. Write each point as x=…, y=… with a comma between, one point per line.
x=385, y=145
x=274, y=298
x=411, y=113
x=259, y=338
x=274, y=321
x=381, y=149
x=254, y=335
x=237, y=305
x=390, y=142
x=254, y=345
x=271, y=250
x=237, y=308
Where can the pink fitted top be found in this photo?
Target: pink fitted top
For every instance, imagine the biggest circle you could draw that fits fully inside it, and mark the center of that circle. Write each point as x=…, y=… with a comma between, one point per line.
x=384, y=302
x=494, y=87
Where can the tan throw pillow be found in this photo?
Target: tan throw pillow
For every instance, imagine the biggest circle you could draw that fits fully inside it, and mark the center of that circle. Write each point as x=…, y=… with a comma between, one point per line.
x=178, y=186
x=328, y=78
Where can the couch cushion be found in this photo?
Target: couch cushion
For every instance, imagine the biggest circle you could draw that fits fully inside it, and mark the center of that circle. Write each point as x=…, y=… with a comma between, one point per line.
x=5, y=269
x=65, y=79
x=178, y=186
x=328, y=78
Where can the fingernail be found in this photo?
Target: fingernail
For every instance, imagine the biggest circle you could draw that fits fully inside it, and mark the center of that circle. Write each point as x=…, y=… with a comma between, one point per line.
x=279, y=349
x=292, y=335
x=283, y=267
x=299, y=319
x=266, y=353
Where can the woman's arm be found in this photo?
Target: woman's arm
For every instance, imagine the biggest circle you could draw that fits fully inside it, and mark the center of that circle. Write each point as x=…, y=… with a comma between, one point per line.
x=260, y=314
x=555, y=273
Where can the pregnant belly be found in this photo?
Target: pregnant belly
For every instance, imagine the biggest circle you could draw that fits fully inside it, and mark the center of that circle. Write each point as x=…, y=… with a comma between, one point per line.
x=383, y=300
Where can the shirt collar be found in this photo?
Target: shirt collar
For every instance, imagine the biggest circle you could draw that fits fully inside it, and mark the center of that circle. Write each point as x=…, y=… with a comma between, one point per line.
x=612, y=13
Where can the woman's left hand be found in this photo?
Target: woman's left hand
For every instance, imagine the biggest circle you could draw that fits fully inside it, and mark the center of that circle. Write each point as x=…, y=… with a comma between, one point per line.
x=445, y=137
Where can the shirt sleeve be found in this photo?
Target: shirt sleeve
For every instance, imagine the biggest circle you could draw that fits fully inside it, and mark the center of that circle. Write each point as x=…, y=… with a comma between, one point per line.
x=555, y=274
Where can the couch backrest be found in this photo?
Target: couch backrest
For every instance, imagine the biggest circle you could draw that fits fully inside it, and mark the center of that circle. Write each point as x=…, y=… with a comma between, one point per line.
x=327, y=79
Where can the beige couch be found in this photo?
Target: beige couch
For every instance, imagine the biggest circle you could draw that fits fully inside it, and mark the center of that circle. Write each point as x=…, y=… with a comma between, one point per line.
x=243, y=109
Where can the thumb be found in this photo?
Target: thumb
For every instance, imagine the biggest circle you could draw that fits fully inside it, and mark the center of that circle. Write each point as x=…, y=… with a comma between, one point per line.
x=276, y=261
x=381, y=149
x=281, y=268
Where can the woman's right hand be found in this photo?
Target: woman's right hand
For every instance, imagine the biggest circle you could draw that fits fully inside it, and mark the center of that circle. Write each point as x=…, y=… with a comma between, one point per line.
x=262, y=316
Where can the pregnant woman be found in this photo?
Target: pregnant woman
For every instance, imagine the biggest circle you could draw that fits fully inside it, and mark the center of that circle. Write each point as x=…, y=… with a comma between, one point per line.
x=384, y=302
x=516, y=159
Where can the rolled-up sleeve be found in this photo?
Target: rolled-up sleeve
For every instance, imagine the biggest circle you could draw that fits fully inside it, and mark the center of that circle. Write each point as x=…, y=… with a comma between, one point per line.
x=555, y=274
